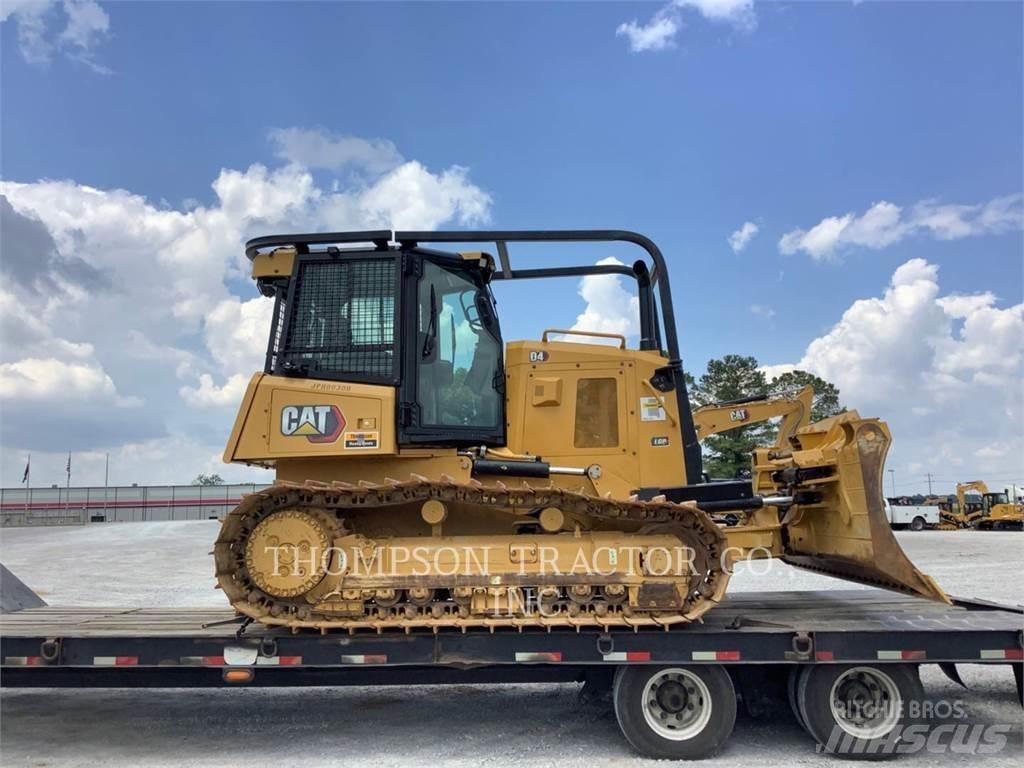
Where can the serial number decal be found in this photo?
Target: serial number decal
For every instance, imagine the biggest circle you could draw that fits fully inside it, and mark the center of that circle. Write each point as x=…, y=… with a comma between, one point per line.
x=652, y=409
x=357, y=440
x=538, y=356
x=659, y=442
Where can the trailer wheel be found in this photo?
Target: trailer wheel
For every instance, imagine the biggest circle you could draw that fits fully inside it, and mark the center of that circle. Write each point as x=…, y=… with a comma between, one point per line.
x=675, y=713
x=860, y=711
x=792, y=686
x=917, y=524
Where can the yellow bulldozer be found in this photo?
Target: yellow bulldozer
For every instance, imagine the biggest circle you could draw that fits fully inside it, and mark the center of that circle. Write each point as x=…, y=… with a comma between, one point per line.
x=431, y=475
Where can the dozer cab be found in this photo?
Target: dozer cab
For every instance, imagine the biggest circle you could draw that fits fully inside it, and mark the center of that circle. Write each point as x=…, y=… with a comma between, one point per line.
x=430, y=475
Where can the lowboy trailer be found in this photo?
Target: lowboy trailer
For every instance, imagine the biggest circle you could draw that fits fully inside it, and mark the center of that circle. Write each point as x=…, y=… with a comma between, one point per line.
x=846, y=660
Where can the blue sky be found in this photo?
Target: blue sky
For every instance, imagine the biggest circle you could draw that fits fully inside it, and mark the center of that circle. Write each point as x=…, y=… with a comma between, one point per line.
x=782, y=115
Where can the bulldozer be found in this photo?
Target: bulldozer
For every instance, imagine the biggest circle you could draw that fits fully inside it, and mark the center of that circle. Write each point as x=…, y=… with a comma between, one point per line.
x=431, y=475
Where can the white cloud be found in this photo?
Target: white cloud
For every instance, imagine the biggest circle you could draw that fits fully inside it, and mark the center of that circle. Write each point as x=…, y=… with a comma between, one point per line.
x=86, y=25
x=318, y=148
x=773, y=371
x=210, y=395
x=741, y=238
x=131, y=303
x=885, y=224
x=946, y=371
x=34, y=379
x=739, y=13
x=660, y=32
x=410, y=197
x=656, y=35
x=762, y=310
x=610, y=307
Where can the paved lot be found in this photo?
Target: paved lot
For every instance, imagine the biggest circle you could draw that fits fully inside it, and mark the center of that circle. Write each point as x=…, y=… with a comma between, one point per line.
x=526, y=725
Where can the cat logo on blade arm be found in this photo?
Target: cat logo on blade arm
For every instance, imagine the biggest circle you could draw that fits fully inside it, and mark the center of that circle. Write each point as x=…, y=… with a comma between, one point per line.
x=317, y=423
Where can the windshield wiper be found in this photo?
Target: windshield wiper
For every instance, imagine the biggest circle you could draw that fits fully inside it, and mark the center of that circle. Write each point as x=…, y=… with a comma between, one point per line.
x=431, y=332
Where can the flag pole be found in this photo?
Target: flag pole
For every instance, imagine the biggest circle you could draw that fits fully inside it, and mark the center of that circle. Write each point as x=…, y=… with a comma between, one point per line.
x=28, y=484
x=67, y=494
x=106, y=483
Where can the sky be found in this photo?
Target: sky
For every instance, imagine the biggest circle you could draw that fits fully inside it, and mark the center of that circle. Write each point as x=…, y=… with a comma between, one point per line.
x=836, y=186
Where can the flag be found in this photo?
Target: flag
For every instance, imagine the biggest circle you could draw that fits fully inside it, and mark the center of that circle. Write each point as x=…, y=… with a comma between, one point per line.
x=28, y=464
x=68, y=468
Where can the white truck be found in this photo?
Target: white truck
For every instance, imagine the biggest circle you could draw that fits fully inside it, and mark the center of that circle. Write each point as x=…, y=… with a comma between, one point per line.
x=913, y=516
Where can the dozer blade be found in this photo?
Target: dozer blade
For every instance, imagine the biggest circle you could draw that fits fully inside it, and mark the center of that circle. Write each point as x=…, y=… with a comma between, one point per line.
x=843, y=530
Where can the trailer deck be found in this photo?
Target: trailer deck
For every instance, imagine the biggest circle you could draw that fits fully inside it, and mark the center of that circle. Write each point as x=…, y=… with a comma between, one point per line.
x=54, y=646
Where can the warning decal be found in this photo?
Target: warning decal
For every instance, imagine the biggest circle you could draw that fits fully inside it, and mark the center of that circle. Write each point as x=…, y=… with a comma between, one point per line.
x=651, y=409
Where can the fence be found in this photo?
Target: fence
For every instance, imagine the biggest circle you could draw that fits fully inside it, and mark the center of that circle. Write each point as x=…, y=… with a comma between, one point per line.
x=81, y=505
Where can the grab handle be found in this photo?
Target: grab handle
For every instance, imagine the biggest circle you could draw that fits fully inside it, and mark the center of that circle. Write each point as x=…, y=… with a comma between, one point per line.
x=619, y=336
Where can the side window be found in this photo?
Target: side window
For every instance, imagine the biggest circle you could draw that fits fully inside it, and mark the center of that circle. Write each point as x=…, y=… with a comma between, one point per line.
x=458, y=356
x=342, y=320
x=597, y=414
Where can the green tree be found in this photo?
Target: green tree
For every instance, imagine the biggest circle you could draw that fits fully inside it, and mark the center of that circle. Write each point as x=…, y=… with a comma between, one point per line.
x=202, y=479
x=826, y=395
x=733, y=377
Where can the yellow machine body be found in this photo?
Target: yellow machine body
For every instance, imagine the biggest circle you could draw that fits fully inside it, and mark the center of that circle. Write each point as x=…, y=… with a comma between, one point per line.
x=592, y=436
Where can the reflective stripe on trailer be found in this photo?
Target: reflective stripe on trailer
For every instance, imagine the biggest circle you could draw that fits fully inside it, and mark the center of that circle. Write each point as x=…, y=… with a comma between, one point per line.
x=627, y=656
x=541, y=656
x=24, y=661
x=900, y=655
x=115, y=661
x=365, y=658
x=715, y=655
x=278, y=661
x=203, y=661
x=1011, y=654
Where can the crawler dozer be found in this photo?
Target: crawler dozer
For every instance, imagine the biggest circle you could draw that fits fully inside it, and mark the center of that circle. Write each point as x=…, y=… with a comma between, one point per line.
x=430, y=475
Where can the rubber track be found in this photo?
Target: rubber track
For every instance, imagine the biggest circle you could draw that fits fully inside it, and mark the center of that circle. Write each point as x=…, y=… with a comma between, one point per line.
x=339, y=496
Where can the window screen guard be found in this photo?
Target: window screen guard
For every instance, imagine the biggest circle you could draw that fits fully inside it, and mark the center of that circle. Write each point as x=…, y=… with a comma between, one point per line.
x=340, y=321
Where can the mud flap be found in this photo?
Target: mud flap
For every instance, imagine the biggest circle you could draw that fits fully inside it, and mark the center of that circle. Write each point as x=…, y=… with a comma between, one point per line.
x=950, y=671
x=844, y=531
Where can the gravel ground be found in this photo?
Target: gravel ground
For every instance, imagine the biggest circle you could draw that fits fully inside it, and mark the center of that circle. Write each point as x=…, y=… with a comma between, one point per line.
x=525, y=725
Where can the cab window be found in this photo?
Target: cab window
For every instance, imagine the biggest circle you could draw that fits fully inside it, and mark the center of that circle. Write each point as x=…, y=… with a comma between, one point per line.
x=459, y=375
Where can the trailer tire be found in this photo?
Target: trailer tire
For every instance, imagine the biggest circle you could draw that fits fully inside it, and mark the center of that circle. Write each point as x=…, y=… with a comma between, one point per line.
x=675, y=712
x=859, y=711
x=917, y=524
x=792, y=686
